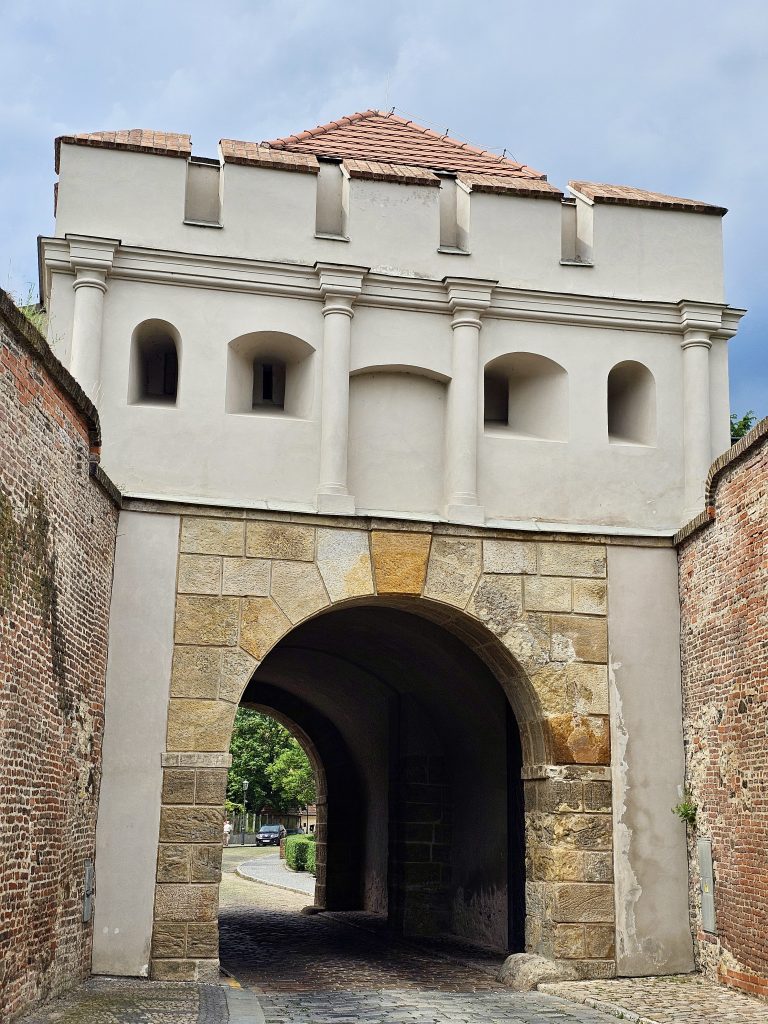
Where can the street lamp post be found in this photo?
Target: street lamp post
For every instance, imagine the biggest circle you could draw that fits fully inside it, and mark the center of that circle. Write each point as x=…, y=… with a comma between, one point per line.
x=242, y=828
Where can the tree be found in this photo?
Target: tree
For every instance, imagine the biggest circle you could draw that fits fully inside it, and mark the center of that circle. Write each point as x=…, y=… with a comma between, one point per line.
x=741, y=425
x=292, y=776
x=258, y=742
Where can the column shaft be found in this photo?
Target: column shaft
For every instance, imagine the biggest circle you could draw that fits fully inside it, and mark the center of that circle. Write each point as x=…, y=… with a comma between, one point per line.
x=461, y=421
x=85, y=359
x=696, y=417
x=332, y=493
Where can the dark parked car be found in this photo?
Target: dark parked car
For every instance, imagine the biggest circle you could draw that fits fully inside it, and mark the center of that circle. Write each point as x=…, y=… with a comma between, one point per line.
x=270, y=835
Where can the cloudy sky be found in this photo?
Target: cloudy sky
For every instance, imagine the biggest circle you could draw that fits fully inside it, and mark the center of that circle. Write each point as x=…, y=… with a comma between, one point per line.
x=670, y=96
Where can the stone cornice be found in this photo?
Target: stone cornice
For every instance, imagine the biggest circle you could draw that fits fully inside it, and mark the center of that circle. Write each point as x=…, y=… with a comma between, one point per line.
x=379, y=289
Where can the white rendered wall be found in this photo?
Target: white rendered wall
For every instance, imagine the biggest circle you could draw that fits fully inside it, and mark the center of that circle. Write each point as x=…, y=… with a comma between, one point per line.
x=256, y=274
x=136, y=709
x=653, y=933
x=662, y=255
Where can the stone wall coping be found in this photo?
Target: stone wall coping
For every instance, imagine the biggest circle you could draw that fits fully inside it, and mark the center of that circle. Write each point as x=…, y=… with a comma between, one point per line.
x=757, y=435
x=567, y=772
x=172, y=759
x=574, y=534
x=33, y=342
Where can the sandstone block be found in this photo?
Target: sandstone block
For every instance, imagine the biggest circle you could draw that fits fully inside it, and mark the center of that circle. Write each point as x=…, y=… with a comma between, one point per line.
x=498, y=602
x=199, y=574
x=583, y=902
x=186, y=902
x=567, y=865
x=597, y=796
x=203, y=940
x=579, y=638
x=524, y=972
x=206, y=863
x=564, y=559
x=199, y=724
x=600, y=942
x=173, y=970
x=580, y=739
x=344, y=561
x=210, y=786
x=212, y=536
x=286, y=541
x=547, y=594
x=195, y=672
x=509, y=556
x=399, y=561
x=173, y=863
x=263, y=624
x=207, y=620
x=178, y=786
x=590, y=597
x=298, y=589
x=191, y=825
x=237, y=667
x=169, y=940
x=598, y=866
x=583, y=831
x=572, y=687
x=557, y=796
x=570, y=942
x=454, y=569
x=245, y=577
x=528, y=640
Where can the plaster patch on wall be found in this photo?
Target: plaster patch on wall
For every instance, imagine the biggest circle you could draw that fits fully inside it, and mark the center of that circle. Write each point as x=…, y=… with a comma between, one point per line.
x=628, y=890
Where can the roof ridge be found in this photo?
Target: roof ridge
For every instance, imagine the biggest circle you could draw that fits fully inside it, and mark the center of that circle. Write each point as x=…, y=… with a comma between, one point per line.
x=430, y=133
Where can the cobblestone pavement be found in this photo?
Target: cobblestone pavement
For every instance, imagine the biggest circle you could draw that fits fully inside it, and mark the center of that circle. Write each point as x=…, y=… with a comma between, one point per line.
x=680, y=999
x=129, y=1001
x=273, y=871
x=318, y=969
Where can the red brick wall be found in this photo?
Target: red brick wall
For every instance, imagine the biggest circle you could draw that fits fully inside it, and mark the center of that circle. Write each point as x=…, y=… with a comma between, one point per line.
x=723, y=590
x=57, y=536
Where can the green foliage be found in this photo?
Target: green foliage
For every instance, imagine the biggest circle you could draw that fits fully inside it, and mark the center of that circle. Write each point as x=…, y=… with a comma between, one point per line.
x=311, y=856
x=32, y=310
x=291, y=775
x=297, y=852
x=686, y=809
x=258, y=743
x=741, y=425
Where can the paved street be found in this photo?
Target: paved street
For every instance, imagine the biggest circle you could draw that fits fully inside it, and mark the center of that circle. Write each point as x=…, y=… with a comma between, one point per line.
x=273, y=871
x=286, y=967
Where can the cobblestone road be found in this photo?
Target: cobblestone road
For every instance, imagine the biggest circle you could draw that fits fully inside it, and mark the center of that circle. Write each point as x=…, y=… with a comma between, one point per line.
x=318, y=969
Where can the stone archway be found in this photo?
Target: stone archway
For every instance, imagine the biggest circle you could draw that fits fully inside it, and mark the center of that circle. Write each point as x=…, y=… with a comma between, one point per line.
x=532, y=611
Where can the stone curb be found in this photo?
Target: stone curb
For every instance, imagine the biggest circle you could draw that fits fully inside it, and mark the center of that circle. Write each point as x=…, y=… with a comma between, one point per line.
x=243, y=1005
x=273, y=885
x=553, y=989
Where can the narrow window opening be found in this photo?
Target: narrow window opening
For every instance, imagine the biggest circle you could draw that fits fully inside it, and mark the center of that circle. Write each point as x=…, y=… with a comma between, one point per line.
x=332, y=200
x=268, y=384
x=454, y=215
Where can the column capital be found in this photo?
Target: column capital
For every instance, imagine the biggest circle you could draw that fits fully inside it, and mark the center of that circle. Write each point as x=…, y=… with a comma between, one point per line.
x=339, y=279
x=92, y=254
x=468, y=293
x=696, y=337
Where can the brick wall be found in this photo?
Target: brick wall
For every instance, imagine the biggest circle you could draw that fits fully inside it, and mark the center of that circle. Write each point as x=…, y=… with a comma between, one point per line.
x=723, y=588
x=57, y=537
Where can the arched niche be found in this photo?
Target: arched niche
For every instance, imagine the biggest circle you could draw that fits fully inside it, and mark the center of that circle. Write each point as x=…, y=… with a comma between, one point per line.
x=526, y=395
x=396, y=438
x=631, y=404
x=269, y=372
x=153, y=377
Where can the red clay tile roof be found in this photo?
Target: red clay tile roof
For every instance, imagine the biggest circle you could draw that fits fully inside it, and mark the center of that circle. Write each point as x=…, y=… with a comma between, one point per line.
x=401, y=174
x=389, y=139
x=254, y=155
x=137, y=140
x=535, y=188
x=626, y=195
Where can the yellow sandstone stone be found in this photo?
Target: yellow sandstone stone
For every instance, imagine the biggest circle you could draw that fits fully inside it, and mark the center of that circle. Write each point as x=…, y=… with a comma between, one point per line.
x=399, y=561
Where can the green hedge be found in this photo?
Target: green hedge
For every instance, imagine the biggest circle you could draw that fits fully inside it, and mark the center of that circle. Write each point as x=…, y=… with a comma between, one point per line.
x=311, y=850
x=298, y=850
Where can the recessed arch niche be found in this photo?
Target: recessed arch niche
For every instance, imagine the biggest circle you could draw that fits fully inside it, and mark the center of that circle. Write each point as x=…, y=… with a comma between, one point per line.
x=270, y=372
x=526, y=395
x=631, y=404
x=153, y=377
